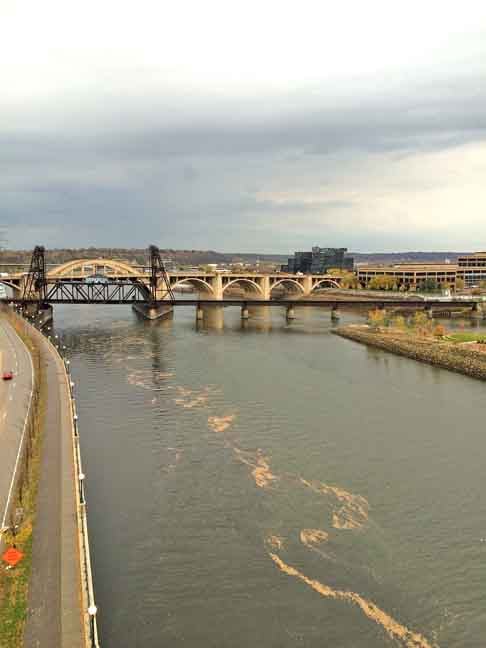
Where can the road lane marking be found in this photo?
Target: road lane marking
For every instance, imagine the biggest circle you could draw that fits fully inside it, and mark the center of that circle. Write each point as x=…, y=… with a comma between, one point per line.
x=17, y=460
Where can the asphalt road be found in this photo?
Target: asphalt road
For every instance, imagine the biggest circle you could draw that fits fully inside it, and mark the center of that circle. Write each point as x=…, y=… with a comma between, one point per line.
x=15, y=397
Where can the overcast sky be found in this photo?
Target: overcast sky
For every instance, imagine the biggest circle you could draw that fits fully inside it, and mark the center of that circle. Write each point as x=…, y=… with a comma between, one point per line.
x=259, y=125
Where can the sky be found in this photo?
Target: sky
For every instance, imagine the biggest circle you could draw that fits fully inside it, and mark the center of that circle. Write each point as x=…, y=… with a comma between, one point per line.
x=255, y=126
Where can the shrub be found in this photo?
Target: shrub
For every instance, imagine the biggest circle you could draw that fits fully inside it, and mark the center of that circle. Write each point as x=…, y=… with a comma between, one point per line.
x=377, y=318
x=439, y=331
x=398, y=322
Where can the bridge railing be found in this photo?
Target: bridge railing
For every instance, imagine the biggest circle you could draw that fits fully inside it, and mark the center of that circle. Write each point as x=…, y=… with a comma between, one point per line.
x=89, y=606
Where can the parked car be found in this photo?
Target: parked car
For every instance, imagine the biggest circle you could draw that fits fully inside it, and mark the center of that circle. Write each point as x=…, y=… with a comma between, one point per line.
x=7, y=375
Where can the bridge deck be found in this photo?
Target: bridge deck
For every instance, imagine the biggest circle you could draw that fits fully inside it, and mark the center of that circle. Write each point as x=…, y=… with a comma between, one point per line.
x=381, y=302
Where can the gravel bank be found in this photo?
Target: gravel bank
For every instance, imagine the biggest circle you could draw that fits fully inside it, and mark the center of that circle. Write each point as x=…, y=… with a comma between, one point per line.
x=454, y=357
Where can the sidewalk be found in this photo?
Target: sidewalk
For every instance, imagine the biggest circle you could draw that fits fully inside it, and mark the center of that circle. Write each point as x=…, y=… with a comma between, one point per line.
x=54, y=616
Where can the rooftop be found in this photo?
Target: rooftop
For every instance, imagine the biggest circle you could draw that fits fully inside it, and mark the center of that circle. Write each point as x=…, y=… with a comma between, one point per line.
x=412, y=267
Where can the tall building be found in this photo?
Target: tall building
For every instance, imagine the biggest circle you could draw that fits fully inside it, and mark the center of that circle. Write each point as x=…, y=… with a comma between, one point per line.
x=319, y=261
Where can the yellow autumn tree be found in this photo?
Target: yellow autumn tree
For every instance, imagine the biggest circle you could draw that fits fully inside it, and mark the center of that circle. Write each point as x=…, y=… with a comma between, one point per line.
x=377, y=318
x=398, y=322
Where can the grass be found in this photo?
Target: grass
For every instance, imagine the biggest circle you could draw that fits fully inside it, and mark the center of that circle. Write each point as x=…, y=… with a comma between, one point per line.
x=14, y=582
x=464, y=336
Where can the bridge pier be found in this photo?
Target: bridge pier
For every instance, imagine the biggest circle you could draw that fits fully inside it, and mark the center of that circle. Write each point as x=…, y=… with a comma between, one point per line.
x=44, y=315
x=335, y=315
x=264, y=283
x=244, y=312
x=307, y=285
x=154, y=311
x=217, y=286
x=429, y=312
x=290, y=314
x=40, y=315
x=477, y=311
x=199, y=312
x=215, y=317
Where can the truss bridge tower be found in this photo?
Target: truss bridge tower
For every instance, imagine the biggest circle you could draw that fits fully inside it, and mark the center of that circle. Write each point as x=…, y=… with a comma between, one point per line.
x=160, y=303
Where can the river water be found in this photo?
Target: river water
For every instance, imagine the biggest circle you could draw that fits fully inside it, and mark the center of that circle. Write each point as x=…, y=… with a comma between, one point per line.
x=273, y=485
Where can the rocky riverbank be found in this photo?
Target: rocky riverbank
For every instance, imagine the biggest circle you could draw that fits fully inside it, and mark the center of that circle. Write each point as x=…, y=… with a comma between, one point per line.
x=461, y=358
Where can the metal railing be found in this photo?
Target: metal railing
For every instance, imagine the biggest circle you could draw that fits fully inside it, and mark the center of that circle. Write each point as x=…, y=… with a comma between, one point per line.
x=88, y=589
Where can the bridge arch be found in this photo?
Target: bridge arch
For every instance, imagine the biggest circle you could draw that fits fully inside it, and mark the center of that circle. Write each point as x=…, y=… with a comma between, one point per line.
x=331, y=283
x=77, y=265
x=243, y=280
x=194, y=282
x=281, y=282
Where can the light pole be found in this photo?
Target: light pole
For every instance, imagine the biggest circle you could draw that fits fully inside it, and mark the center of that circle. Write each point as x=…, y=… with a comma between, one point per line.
x=82, y=477
x=92, y=610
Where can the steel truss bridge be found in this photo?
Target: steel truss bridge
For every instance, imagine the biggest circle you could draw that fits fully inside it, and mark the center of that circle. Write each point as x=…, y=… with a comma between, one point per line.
x=105, y=281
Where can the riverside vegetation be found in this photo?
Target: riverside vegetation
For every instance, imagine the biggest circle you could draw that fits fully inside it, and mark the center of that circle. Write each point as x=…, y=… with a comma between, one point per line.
x=420, y=338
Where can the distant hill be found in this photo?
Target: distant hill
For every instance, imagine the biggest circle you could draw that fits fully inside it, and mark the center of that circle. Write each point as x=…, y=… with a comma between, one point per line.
x=198, y=257
x=387, y=258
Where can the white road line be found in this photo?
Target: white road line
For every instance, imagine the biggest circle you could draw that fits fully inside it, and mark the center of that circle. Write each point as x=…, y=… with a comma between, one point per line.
x=17, y=460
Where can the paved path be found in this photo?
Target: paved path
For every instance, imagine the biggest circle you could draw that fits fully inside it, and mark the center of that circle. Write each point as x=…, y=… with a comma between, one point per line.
x=15, y=397
x=54, y=609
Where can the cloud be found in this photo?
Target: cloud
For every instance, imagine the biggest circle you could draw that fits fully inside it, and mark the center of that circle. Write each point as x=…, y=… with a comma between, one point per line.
x=351, y=135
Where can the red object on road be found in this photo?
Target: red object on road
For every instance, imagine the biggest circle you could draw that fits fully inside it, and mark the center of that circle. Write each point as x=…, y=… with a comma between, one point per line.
x=12, y=556
x=7, y=375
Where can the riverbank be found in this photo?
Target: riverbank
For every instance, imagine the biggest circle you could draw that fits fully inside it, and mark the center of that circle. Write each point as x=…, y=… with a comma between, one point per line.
x=20, y=512
x=57, y=602
x=47, y=598
x=461, y=358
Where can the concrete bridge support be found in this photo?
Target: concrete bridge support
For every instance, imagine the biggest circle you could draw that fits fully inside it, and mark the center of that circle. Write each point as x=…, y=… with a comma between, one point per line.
x=199, y=312
x=39, y=315
x=335, y=315
x=264, y=283
x=244, y=312
x=290, y=314
x=477, y=310
x=44, y=316
x=307, y=285
x=214, y=317
x=154, y=311
x=217, y=286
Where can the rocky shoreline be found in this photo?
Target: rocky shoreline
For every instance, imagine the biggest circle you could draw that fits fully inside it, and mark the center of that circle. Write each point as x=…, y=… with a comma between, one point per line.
x=454, y=357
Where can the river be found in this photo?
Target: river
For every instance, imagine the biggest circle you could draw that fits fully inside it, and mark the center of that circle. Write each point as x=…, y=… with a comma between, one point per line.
x=273, y=485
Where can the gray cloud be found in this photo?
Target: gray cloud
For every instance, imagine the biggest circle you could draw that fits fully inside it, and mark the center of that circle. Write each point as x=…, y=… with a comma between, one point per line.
x=230, y=180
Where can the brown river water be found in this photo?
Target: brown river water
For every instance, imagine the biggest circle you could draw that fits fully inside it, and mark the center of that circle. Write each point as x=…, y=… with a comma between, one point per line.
x=273, y=485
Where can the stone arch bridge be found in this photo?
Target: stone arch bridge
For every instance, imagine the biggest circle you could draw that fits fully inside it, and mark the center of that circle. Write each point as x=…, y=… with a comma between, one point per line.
x=211, y=285
x=150, y=289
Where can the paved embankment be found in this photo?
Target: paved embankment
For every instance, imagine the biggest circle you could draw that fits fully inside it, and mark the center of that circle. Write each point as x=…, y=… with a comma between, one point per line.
x=55, y=608
x=15, y=401
x=447, y=355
